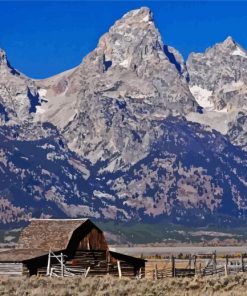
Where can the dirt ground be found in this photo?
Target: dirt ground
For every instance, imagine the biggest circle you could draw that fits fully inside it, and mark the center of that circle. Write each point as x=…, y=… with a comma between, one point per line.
x=108, y=286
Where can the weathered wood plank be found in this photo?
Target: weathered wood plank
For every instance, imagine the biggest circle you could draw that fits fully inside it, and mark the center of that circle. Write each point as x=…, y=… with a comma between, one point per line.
x=11, y=268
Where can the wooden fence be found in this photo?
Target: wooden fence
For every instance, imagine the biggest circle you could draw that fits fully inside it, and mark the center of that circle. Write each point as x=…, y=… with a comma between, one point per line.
x=212, y=271
x=205, y=266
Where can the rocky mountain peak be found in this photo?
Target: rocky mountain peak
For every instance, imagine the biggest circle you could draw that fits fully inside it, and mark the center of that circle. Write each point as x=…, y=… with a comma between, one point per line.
x=143, y=14
x=18, y=94
x=5, y=66
x=122, y=113
x=129, y=43
x=119, y=92
x=228, y=42
x=3, y=58
x=218, y=81
x=228, y=46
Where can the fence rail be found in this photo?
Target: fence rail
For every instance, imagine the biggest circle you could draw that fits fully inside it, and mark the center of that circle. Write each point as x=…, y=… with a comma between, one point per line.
x=209, y=265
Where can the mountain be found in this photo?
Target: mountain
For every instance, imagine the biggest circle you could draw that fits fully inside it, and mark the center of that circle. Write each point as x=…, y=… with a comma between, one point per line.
x=127, y=82
x=40, y=177
x=134, y=133
x=188, y=175
x=218, y=81
x=19, y=96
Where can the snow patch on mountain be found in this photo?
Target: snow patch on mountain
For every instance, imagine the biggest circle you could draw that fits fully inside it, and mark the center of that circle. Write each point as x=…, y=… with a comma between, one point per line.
x=202, y=96
x=239, y=52
x=103, y=195
x=124, y=63
x=146, y=18
x=42, y=93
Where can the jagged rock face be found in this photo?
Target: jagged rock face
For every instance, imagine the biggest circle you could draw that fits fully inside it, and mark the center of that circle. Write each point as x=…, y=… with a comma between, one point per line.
x=218, y=81
x=188, y=170
x=3, y=60
x=40, y=176
x=110, y=140
x=18, y=94
x=189, y=176
x=219, y=76
x=125, y=84
x=238, y=130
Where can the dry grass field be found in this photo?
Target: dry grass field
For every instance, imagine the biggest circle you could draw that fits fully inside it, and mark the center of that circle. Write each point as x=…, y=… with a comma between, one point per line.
x=108, y=286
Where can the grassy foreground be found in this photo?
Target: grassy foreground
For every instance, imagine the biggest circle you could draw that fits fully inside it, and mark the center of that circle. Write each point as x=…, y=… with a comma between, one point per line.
x=108, y=286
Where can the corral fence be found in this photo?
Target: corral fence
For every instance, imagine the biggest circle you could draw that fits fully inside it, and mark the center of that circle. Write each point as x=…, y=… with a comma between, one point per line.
x=200, y=264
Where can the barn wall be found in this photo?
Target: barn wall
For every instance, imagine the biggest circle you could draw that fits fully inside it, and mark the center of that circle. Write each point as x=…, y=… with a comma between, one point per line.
x=10, y=268
x=94, y=240
x=96, y=260
x=87, y=237
x=36, y=266
x=130, y=266
x=102, y=263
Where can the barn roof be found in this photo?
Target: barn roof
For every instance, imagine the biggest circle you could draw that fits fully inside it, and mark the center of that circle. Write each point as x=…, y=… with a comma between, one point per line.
x=126, y=258
x=19, y=255
x=49, y=234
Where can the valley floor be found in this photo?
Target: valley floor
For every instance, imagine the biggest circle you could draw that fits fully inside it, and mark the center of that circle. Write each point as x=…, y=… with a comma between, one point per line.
x=175, y=250
x=109, y=286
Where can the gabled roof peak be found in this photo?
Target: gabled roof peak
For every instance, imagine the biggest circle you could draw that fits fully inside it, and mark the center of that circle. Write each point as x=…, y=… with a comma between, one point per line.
x=49, y=234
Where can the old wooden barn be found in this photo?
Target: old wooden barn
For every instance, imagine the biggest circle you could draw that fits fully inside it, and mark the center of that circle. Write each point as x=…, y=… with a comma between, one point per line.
x=66, y=247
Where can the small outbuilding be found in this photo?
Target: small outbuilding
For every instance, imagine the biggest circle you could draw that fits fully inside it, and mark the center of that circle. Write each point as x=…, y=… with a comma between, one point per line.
x=66, y=247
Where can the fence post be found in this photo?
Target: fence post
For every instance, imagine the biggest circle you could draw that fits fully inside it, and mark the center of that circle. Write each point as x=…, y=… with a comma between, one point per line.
x=195, y=262
x=226, y=270
x=48, y=270
x=62, y=266
x=155, y=272
x=189, y=261
x=119, y=269
x=242, y=262
x=140, y=273
x=227, y=260
x=108, y=262
x=173, y=267
x=214, y=261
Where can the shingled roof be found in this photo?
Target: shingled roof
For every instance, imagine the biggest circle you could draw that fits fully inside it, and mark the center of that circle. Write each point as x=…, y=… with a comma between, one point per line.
x=18, y=255
x=46, y=234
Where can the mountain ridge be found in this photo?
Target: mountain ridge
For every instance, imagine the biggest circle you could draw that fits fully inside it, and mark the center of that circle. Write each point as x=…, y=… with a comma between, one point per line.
x=134, y=133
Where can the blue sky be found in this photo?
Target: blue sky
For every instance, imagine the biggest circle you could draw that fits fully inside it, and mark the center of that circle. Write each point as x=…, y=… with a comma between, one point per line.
x=45, y=38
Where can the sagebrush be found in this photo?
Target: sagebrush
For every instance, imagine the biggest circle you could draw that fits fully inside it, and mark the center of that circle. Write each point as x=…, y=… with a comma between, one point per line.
x=109, y=286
